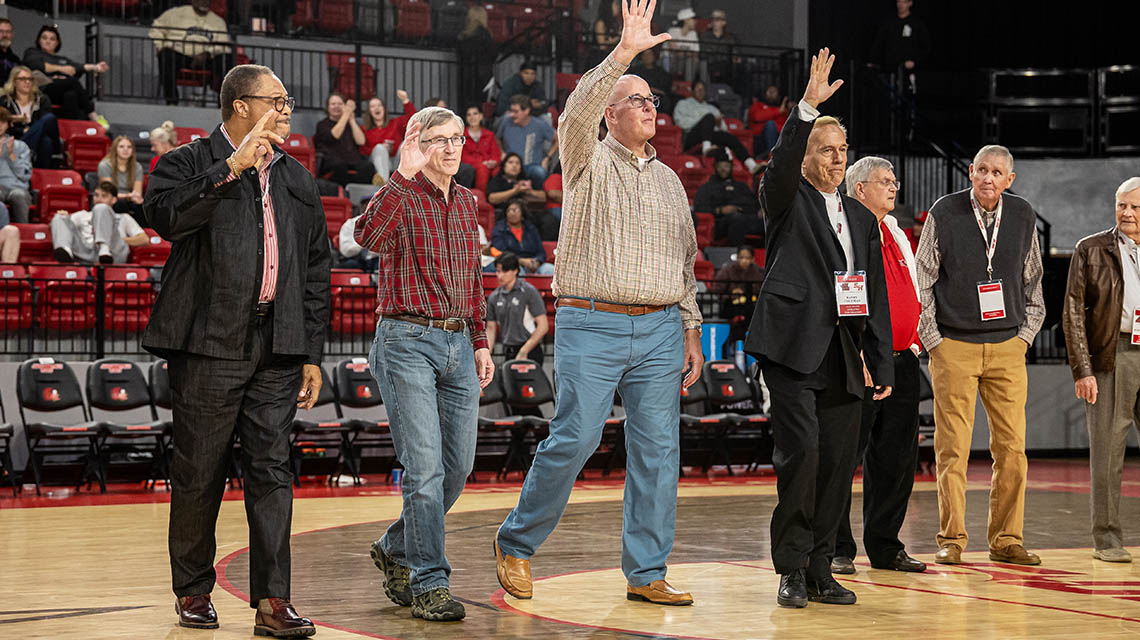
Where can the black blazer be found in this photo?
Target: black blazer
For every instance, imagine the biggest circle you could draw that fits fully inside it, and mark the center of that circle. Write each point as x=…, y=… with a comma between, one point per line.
x=212, y=279
x=795, y=314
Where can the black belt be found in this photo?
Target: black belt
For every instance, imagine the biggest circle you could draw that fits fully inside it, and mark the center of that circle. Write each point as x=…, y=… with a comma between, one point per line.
x=447, y=324
x=263, y=309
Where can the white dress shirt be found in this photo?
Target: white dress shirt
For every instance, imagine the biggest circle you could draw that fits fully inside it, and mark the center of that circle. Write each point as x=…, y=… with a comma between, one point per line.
x=1130, y=265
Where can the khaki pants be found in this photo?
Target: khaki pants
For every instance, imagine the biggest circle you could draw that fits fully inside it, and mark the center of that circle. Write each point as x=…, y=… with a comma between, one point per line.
x=958, y=372
x=1110, y=420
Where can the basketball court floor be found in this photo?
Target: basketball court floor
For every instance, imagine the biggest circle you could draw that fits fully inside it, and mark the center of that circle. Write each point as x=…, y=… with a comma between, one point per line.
x=82, y=565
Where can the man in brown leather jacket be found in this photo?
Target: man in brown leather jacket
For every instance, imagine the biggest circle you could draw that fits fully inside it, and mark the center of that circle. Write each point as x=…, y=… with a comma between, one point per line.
x=1102, y=330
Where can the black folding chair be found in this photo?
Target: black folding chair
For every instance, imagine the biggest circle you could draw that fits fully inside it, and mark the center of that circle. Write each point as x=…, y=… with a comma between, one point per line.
x=526, y=388
x=312, y=440
x=116, y=385
x=45, y=385
x=7, y=471
x=357, y=389
x=493, y=441
x=743, y=426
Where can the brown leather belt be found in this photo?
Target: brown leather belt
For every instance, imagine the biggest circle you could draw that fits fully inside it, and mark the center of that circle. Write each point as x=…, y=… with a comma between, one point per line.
x=610, y=307
x=449, y=324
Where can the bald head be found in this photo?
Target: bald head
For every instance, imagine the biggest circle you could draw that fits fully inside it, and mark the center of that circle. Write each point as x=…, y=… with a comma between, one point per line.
x=631, y=125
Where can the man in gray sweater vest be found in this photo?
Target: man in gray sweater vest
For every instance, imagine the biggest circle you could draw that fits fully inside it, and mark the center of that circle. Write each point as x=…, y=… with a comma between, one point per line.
x=979, y=281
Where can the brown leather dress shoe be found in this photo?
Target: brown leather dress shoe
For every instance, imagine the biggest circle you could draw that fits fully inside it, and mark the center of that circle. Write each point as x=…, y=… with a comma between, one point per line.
x=196, y=612
x=658, y=592
x=949, y=554
x=283, y=622
x=1014, y=554
x=514, y=573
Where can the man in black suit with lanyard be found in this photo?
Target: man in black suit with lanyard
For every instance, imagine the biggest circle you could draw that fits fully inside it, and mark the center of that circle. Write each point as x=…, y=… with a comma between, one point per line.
x=822, y=311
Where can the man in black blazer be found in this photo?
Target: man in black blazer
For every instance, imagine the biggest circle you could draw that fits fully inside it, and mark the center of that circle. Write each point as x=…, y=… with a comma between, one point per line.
x=241, y=317
x=810, y=351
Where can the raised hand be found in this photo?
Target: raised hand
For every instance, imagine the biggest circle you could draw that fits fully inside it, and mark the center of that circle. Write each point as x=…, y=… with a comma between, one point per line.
x=402, y=95
x=818, y=90
x=257, y=144
x=413, y=157
x=350, y=107
x=637, y=29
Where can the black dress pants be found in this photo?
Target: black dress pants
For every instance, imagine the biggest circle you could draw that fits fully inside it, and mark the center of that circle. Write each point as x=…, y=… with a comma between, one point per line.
x=705, y=129
x=888, y=448
x=815, y=426
x=72, y=98
x=212, y=400
x=355, y=170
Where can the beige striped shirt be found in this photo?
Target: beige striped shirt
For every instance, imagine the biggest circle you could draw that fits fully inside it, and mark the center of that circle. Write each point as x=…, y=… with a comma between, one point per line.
x=627, y=234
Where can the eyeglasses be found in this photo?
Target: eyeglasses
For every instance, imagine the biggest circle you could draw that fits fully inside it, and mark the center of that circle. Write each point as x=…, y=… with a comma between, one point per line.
x=279, y=102
x=456, y=141
x=637, y=101
x=886, y=184
x=23, y=78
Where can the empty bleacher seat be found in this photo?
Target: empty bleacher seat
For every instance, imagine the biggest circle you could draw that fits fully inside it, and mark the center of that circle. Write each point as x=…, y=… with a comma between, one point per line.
x=58, y=189
x=190, y=134
x=116, y=385
x=154, y=253
x=352, y=301
x=301, y=148
x=128, y=298
x=667, y=139
x=413, y=19
x=66, y=300
x=85, y=143
x=16, y=296
x=336, y=16
x=35, y=243
x=342, y=71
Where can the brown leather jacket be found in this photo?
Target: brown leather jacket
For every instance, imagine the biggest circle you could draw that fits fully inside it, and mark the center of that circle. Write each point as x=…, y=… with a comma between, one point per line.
x=1093, y=297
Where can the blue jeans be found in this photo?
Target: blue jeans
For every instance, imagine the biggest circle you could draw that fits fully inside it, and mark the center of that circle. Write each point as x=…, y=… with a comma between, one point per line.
x=432, y=396
x=536, y=174
x=42, y=137
x=596, y=353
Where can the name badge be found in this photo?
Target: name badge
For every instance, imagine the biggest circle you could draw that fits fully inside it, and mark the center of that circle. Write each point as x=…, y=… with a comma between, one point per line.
x=851, y=293
x=991, y=300
x=1136, y=326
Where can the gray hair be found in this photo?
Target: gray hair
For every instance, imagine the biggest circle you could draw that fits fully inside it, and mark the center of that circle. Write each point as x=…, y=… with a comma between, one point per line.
x=861, y=171
x=1128, y=186
x=432, y=117
x=994, y=150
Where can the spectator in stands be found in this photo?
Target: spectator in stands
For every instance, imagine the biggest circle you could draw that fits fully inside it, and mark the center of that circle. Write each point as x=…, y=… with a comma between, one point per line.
x=702, y=124
x=74, y=101
x=32, y=117
x=8, y=58
x=739, y=282
x=9, y=239
x=607, y=32
x=482, y=150
x=659, y=80
x=731, y=201
x=338, y=140
x=523, y=83
x=528, y=137
x=15, y=171
x=99, y=235
x=521, y=238
x=508, y=184
x=553, y=189
x=121, y=167
x=914, y=233
x=902, y=43
x=477, y=53
x=383, y=133
x=190, y=37
x=766, y=119
x=516, y=313
x=716, y=47
x=352, y=255
x=683, y=50
x=163, y=138
x=1099, y=317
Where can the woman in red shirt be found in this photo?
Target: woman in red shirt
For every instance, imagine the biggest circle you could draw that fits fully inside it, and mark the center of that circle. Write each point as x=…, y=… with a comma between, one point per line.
x=481, y=150
x=382, y=134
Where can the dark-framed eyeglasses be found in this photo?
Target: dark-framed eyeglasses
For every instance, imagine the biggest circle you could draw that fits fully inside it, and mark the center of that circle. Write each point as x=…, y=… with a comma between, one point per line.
x=279, y=102
x=456, y=141
x=637, y=101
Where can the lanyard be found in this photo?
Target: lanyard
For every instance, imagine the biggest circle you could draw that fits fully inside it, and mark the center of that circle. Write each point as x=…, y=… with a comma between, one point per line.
x=982, y=227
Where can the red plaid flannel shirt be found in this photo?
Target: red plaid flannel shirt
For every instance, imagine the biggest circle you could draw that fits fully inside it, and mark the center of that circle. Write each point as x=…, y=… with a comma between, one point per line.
x=429, y=252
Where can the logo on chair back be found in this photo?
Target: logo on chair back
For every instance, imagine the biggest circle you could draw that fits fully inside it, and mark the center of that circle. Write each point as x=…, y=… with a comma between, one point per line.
x=363, y=391
x=523, y=367
x=723, y=367
x=47, y=367
x=726, y=390
x=51, y=394
x=119, y=394
x=528, y=391
x=115, y=367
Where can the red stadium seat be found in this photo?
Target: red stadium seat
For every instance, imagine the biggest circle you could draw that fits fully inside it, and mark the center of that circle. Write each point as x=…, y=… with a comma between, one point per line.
x=337, y=210
x=342, y=68
x=129, y=296
x=85, y=143
x=543, y=284
x=219, y=7
x=497, y=22
x=490, y=283
x=524, y=17
x=486, y=216
x=16, y=294
x=413, y=19
x=683, y=88
x=67, y=297
x=667, y=140
x=703, y=270
x=58, y=189
x=35, y=243
x=737, y=128
x=692, y=173
x=336, y=16
x=353, y=302
x=190, y=134
x=564, y=83
x=152, y=254
x=301, y=148
x=706, y=224
x=551, y=247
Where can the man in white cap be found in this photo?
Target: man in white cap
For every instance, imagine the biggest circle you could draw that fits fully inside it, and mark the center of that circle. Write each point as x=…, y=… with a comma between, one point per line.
x=684, y=49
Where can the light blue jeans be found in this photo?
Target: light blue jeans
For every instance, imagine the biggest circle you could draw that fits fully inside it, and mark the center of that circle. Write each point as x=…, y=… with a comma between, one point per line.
x=429, y=387
x=596, y=353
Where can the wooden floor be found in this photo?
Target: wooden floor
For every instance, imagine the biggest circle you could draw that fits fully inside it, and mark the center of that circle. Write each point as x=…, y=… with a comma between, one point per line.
x=96, y=567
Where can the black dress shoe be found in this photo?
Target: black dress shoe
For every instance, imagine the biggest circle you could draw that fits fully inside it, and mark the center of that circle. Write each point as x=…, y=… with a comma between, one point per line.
x=842, y=565
x=282, y=622
x=903, y=562
x=793, y=590
x=828, y=591
x=196, y=612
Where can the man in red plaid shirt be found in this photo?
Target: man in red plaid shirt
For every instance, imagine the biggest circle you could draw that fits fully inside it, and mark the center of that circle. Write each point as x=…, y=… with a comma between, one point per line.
x=430, y=355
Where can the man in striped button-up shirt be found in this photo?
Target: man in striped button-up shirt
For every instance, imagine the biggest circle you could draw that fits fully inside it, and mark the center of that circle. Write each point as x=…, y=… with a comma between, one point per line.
x=627, y=321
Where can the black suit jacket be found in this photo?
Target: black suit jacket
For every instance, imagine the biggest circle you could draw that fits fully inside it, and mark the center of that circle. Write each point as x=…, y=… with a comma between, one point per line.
x=796, y=315
x=212, y=280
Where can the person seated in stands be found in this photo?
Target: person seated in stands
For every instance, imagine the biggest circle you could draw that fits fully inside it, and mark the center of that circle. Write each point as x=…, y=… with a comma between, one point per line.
x=659, y=80
x=337, y=142
x=553, y=189
x=435, y=102
x=528, y=137
x=516, y=313
x=15, y=171
x=739, y=282
x=352, y=255
x=32, y=117
x=509, y=184
x=915, y=232
x=766, y=119
x=384, y=133
x=523, y=83
x=516, y=235
x=99, y=235
x=716, y=47
x=74, y=101
x=731, y=201
x=702, y=124
x=163, y=138
x=191, y=37
x=9, y=238
x=8, y=58
x=121, y=167
x=481, y=150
